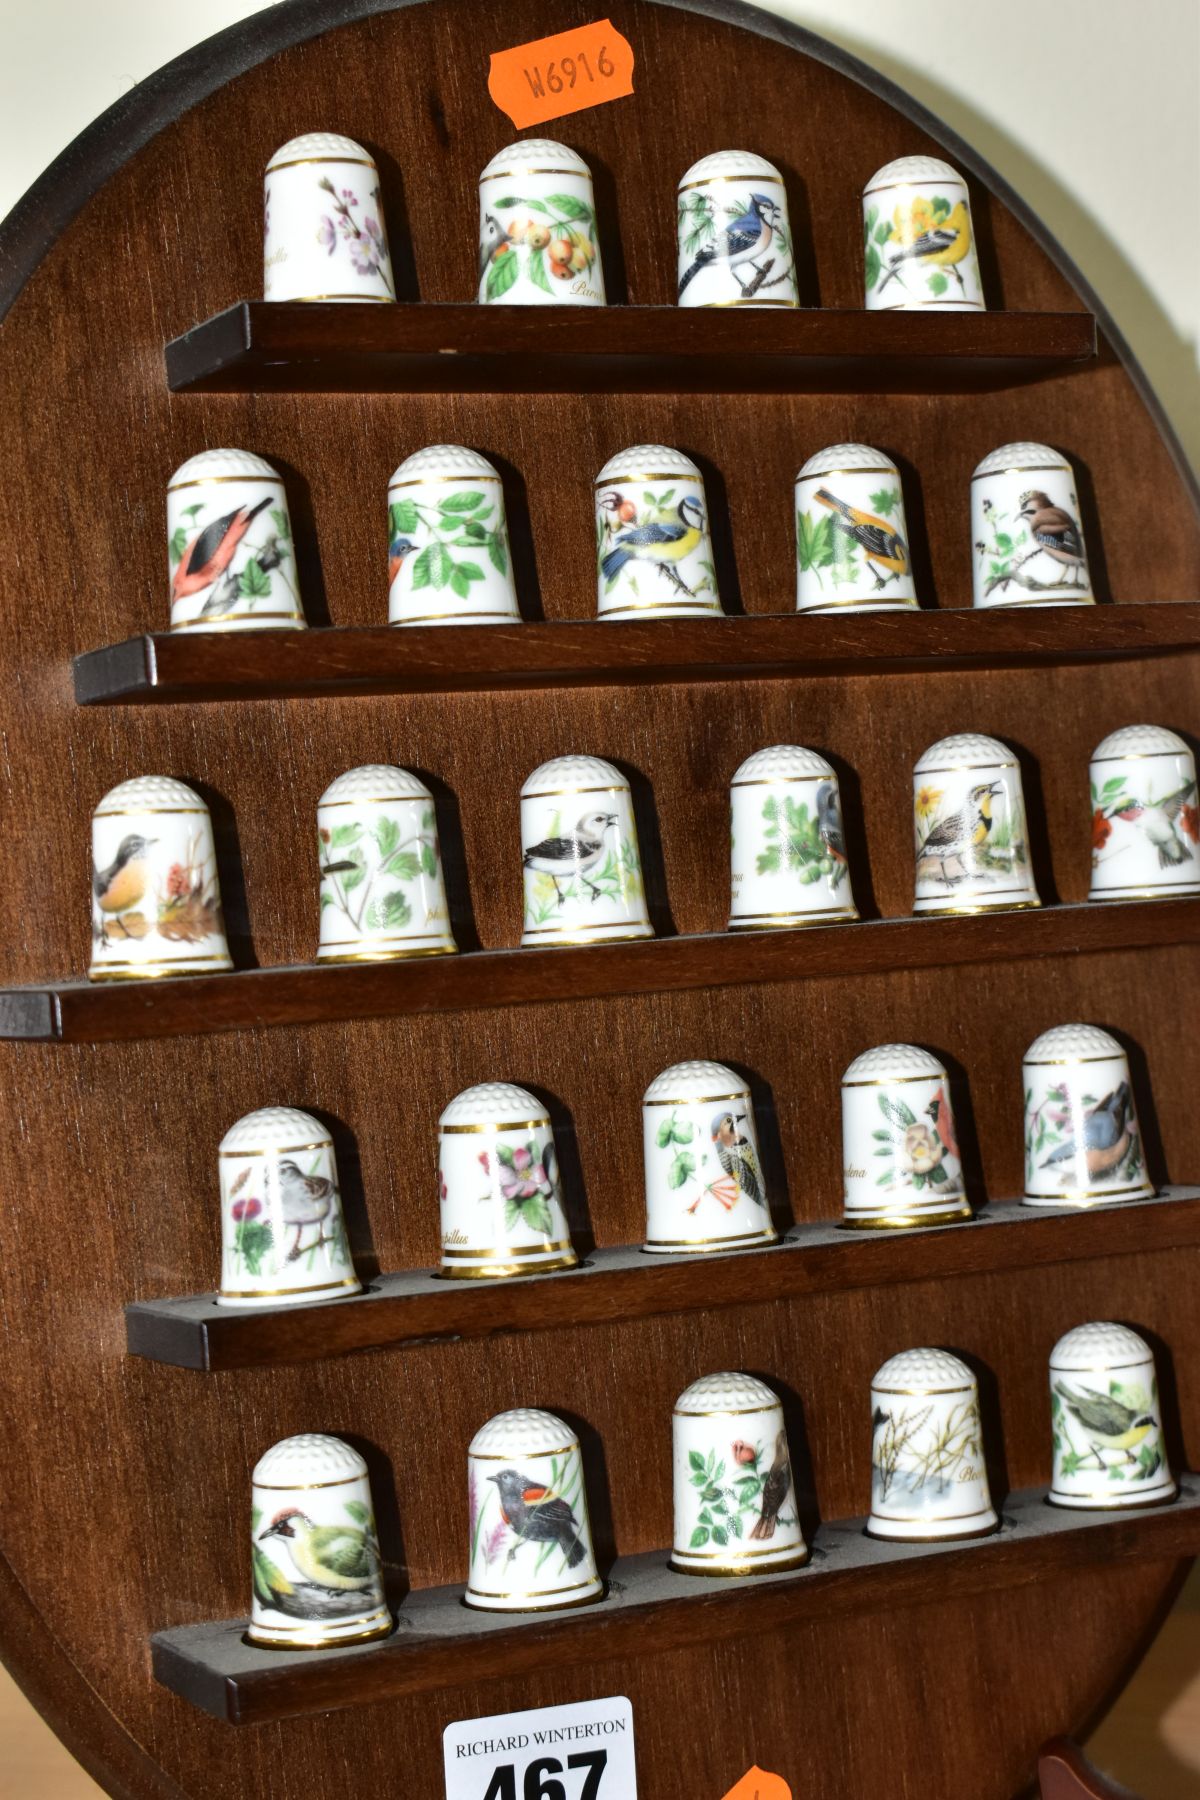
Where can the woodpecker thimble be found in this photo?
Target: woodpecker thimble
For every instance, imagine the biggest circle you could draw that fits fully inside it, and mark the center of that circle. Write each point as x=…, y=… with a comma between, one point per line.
x=788, y=851
x=499, y=1185
x=323, y=230
x=283, y=1236
x=448, y=557
x=735, y=1501
x=1145, y=820
x=851, y=534
x=1027, y=539
x=918, y=239
x=704, y=1182
x=382, y=892
x=899, y=1141
x=583, y=873
x=654, y=555
x=928, y=1478
x=156, y=901
x=1105, y=1422
x=230, y=551
x=314, y=1549
x=1083, y=1146
x=537, y=228
x=971, y=839
x=735, y=243
x=531, y=1540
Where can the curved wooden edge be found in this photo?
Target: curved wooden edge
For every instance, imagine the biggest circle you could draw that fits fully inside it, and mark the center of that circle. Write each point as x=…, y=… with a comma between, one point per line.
x=1064, y=1773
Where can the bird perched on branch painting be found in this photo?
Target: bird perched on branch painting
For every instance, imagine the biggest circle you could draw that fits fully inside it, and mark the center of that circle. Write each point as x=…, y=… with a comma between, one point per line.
x=735, y=1153
x=963, y=833
x=939, y=247
x=1108, y=1133
x=537, y=1515
x=743, y=240
x=1158, y=822
x=883, y=547
x=776, y=1485
x=1107, y=1421
x=333, y=1559
x=661, y=544
x=211, y=551
x=1053, y=530
x=119, y=887
x=305, y=1200
x=575, y=853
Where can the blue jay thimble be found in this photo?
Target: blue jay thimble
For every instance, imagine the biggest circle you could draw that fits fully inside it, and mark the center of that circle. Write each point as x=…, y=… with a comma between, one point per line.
x=1145, y=821
x=654, y=555
x=788, y=849
x=229, y=544
x=970, y=835
x=530, y=1537
x=900, y=1154
x=1083, y=1145
x=735, y=1501
x=314, y=1550
x=705, y=1188
x=1026, y=537
x=499, y=1186
x=382, y=892
x=583, y=871
x=1105, y=1422
x=448, y=556
x=928, y=1478
x=323, y=230
x=851, y=533
x=283, y=1237
x=156, y=900
x=735, y=242
x=537, y=228
x=918, y=239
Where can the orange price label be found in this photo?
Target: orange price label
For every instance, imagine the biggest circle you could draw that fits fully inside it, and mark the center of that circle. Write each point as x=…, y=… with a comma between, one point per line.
x=757, y=1784
x=552, y=76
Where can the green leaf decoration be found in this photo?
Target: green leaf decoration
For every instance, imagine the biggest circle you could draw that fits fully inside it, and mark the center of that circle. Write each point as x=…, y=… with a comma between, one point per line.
x=699, y=1538
x=568, y=206
x=885, y=501
x=254, y=1240
x=189, y=512
x=504, y=1154
x=938, y=283
x=536, y=1213
x=403, y=517
x=354, y=877
x=770, y=861
x=720, y=1535
x=682, y=1130
x=178, y=543
x=508, y=202
x=497, y=554
x=253, y=582
x=459, y=585
x=358, y=1512
x=268, y=1581
x=695, y=1460
x=664, y=1134
x=735, y=1525
x=429, y=861
x=1004, y=543
x=463, y=503
x=501, y=276
x=683, y=1166
x=282, y=524
x=883, y=1136
x=814, y=541
x=883, y=231
x=941, y=208
x=938, y=1175
x=537, y=271
x=897, y=1111
x=747, y=1489
x=512, y=1215
x=874, y=266
x=387, y=836
x=394, y=911
x=343, y=835
x=473, y=534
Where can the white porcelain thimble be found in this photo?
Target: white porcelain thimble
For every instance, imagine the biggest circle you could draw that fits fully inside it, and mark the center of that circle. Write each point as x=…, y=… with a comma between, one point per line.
x=323, y=230
x=970, y=834
x=1026, y=536
x=900, y=1157
x=499, y=1185
x=928, y=1478
x=537, y=228
x=654, y=556
x=448, y=555
x=156, y=900
x=851, y=533
x=1105, y=1422
x=382, y=892
x=583, y=872
x=1145, y=820
x=283, y=1237
x=918, y=239
x=531, y=1541
x=705, y=1188
x=788, y=849
x=1083, y=1146
x=229, y=546
x=735, y=242
x=314, y=1548
x=735, y=1500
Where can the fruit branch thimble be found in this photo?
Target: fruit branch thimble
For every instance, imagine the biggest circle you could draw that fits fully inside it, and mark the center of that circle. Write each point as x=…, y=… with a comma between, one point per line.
x=928, y=1478
x=537, y=228
x=1083, y=1145
x=1145, y=821
x=705, y=1188
x=654, y=557
x=323, y=231
x=579, y=849
x=787, y=845
x=899, y=1142
x=970, y=834
x=530, y=1537
x=283, y=1237
x=735, y=1499
x=851, y=533
x=1106, y=1423
x=383, y=897
x=1026, y=536
x=499, y=1185
x=918, y=239
x=448, y=552
x=229, y=546
x=156, y=901
x=735, y=242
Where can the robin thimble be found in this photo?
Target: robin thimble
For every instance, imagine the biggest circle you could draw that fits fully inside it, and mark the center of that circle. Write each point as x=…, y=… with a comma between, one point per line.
x=156, y=902
x=928, y=1478
x=283, y=1237
x=382, y=893
x=1083, y=1146
x=918, y=239
x=448, y=557
x=1105, y=1422
x=499, y=1184
x=972, y=844
x=704, y=1181
x=654, y=556
x=1145, y=821
x=583, y=873
x=899, y=1141
x=735, y=243
x=229, y=542
x=1026, y=531
x=851, y=533
x=323, y=231
x=531, y=1542
x=788, y=848
x=735, y=1501
x=537, y=228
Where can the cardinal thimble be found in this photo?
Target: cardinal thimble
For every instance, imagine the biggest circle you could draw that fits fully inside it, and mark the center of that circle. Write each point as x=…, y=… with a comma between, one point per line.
x=1105, y=1422
x=928, y=1478
x=283, y=1237
x=382, y=892
x=900, y=1155
x=314, y=1548
x=1083, y=1146
x=788, y=848
x=229, y=543
x=531, y=1541
x=537, y=228
x=654, y=556
x=735, y=243
x=323, y=232
x=918, y=239
x=735, y=1500
x=1028, y=547
x=156, y=902
x=1145, y=820
x=851, y=534
x=583, y=873
x=970, y=835
x=704, y=1182
x=499, y=1184
x=448, y=557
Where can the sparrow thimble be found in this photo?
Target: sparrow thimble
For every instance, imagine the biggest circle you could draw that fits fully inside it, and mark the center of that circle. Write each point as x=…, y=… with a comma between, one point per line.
x=499, y=1184
x=970, y=835
x=1083, y=1146
x=537, y=228
x=448, y=559
x=735, y=1501
x=314, y=1548
x=1027, y=538
x=928, y=1478
x=1105, y=1422
x=735, y=243
x=788, y=848
x=531, y=1542
x=323, y=231
x=283, y=1238
x=704, y=1182
x=654, y=556
x=382, y=893
x=851, y=533
x=229, y=545
x=1145, y=819
x=899, y=1142
x=583, y=873
x=156, y=902
x=918, y=239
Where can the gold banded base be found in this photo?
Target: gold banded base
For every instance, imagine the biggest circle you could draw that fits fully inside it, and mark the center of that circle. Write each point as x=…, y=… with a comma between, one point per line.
x=743, y=1569
x=795, y=921
x=617, y=937
x=932, y=1537
x=707, y=1246
x=906, y=1222
x=551, y=1606
x=382, y=956
x=946, y=912
x=1116, y=895
x=250, y=1636
x=1068, y=1503
x=144, y=971
x=501, y=1271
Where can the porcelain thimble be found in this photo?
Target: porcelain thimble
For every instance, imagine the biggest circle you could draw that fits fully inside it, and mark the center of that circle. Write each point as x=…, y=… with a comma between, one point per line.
x=314, y=1548
x=382, y=892
x=735, y=1501
x=1083, y=1146
x=156, y=900
x=1028, y=547
x=918, y=239
x=704, y=1182
x=229, y=542
x=448, y=557
x=735, y=242
x=499, y=1185
x=1145, y=820
x=788, y=849
x=583, y=873
x=323, y=230
x=928, y=1478
x=531, y=1540
x=1105, y=1422
x=970, y=835
x=537, y=228
x=283, y=1237
x=654, y=556
x=900, y=1155
x=851, y=533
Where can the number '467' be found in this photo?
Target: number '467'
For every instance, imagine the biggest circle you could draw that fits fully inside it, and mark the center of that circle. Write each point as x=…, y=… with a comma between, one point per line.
x=541, y=1781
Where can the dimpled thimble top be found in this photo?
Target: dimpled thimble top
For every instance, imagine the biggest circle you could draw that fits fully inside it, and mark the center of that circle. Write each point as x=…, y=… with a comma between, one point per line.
x=525, y=1431
x=923, y=1371
x=1139, y=740
x=782, y=762
x=318, y=145
x=150, y=793
x=275, y=1128
x=209, y=464
x=729, y=162
x=915, y=169
x=696, y=1081
x=307, y=1461
x=1073, y=1043
x=841, y=459
x=375, y=781
x=442, y=459
x=543, y=154
x=647, y=462
x=573, y=775
x=729, y=1392
x=1099, y=1345
x=966, y=750
x=893, y=1062
x=495, y=1103
x=1019, y=459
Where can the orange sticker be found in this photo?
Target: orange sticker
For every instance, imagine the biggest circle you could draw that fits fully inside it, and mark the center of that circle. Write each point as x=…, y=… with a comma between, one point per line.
x=757, y=1784
x=552, y=76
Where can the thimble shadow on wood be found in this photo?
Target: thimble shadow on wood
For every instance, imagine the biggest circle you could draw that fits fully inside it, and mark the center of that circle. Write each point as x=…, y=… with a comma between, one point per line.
x=283, y=1236
x=537, y=228
x=970, y=831
x=530, y=1536
x=1145, y=820
x=500, y=1187
x=383, y=896
x=230, y=549
x=1026, y=535
x=323, y=230
x=654, y=556
x=1083, y=1144
x=851, y=533
x=705, y=1188
x=928, y=1478
x=735, y=241
x=900, y=1153
x=735, y=1499
x=787, y=844
x=1106, y=1422
x=156, y=900
x=448, y=552
x=919, y=240
x=579, y=851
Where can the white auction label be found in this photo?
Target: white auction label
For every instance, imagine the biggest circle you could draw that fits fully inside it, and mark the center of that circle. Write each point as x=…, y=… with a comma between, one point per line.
x=579, y=1752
